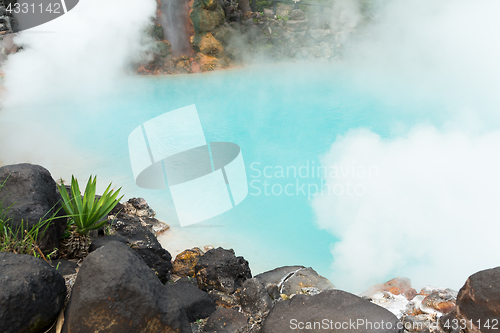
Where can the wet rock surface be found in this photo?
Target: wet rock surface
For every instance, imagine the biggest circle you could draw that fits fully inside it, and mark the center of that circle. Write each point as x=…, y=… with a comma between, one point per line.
x=31, y=293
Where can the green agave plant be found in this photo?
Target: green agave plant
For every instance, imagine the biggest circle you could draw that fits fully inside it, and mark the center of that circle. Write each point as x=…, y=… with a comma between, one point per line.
x=87, y=212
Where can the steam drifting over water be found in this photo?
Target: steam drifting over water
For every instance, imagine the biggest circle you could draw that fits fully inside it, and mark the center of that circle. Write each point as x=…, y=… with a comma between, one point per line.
x=82, y=55
x=431, y=214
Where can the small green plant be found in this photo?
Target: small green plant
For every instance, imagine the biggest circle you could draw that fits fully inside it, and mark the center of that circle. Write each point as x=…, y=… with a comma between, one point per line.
x=86, y=213
x=20, y=239
x=108, y=228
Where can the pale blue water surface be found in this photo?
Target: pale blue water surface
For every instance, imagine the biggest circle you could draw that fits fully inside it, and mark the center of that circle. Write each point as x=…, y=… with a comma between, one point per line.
x=280, y=115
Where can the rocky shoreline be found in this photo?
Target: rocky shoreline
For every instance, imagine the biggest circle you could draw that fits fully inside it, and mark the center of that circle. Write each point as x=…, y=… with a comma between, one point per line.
x=221, y=35
x=224, y=36
x=128, y=283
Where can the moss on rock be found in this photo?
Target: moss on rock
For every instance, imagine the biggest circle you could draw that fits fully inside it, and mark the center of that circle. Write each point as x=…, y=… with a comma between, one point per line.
x=205, y=20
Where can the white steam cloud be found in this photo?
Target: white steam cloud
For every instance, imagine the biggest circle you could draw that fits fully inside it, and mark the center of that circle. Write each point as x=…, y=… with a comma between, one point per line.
x=428, y=208
x=82, y=54
x=431, y=213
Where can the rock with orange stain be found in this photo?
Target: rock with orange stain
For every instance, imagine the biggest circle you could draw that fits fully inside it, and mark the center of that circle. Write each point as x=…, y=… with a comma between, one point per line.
x=397, y=286
x=223, y=300
x=207, y=63
x=182, y=64
x=478, y=301
x=185, y=262
x=207, y=44
x=142, y=70
x=195, y=66
x=443, y=301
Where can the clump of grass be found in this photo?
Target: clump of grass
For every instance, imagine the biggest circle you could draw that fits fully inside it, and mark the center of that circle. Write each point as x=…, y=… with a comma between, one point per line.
x=21, y=239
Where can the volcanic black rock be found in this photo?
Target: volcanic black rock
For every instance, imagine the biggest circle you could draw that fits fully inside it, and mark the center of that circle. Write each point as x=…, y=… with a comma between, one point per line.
x=31, y=293
x=32, y=195
x=220, y=269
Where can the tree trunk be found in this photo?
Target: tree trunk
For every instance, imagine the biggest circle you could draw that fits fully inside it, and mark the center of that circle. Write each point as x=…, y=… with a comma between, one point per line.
x=244, y=6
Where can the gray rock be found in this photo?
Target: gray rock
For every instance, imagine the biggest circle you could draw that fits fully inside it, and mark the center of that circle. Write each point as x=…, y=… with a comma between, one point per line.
x=303, y=279
x=32, y=194
x=293, y=280
x=144, y=242
x=283, y=9
x=224, y=300
x=248, y=22
x=196, y=303
x=31, y=294
x=319, y=34
x=162, y=48
x=298, y=25
x=327, y=309
x=289, y=35
x=116, y=292
x=206, y=20
x=64, y=267
x=268, y=13
x=226, y=321
x=277, y=275
x=297, y=14
x=254, y=298
x=274, y=279
x=102, y=241
x=303, y=54
x=319, y=21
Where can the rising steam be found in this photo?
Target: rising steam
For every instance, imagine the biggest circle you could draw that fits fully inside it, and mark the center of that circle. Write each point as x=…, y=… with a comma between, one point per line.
x=81, y=55
x=431, y=214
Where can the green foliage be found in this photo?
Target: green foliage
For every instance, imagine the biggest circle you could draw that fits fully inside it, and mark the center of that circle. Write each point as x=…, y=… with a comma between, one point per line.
x=86, y=213
x=261, y=4
x=20, y=240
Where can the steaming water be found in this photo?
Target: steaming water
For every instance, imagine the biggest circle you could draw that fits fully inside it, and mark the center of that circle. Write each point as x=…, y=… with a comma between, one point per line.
x=174, y=25
x=282, y=115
